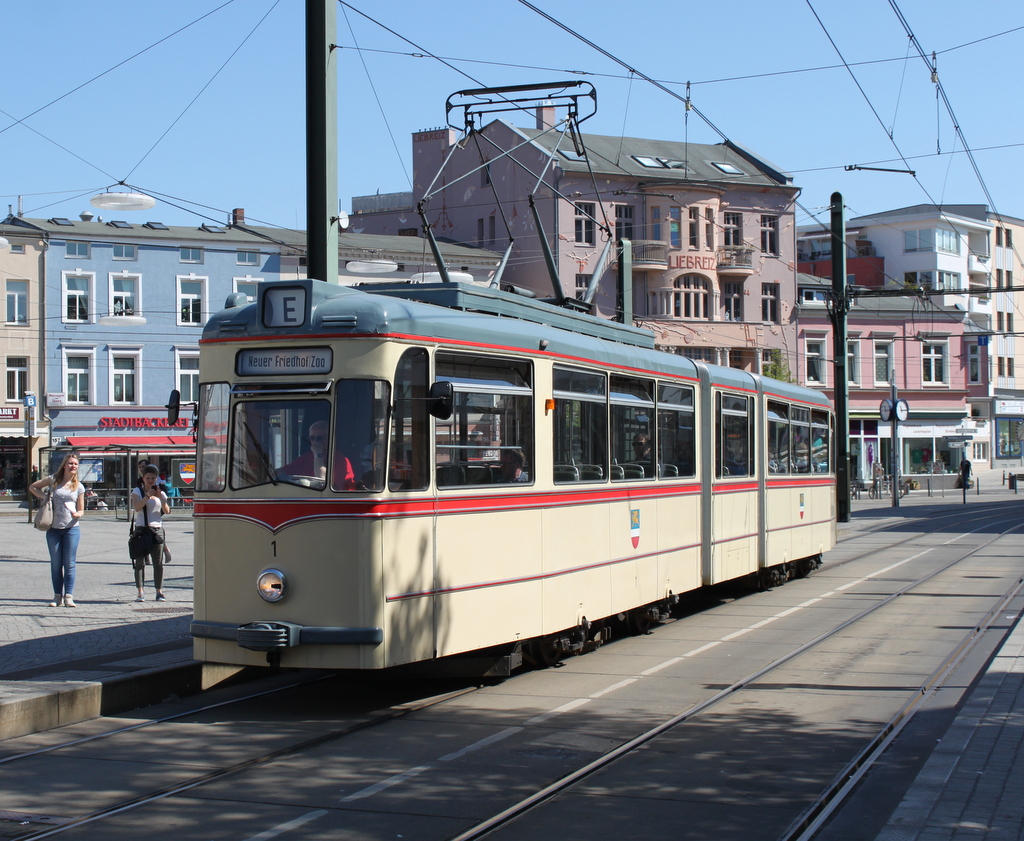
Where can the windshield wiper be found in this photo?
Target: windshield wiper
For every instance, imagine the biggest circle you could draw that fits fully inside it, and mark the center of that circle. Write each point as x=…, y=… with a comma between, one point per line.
x=264, y=458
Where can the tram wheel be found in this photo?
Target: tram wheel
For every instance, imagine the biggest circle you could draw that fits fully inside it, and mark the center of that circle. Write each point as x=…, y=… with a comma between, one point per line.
x=639, y=621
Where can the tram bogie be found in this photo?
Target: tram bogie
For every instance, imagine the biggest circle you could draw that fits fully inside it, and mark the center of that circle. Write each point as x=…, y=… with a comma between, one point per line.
x=386, y=481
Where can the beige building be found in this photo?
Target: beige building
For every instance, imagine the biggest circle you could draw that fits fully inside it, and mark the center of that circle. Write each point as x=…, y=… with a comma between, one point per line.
x=21, y=336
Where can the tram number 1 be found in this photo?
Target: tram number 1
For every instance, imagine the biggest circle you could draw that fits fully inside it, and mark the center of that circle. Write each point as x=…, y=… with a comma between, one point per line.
x=273, y=545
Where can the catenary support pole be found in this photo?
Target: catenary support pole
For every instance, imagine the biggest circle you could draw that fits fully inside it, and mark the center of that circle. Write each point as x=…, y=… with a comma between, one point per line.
x=839, y=309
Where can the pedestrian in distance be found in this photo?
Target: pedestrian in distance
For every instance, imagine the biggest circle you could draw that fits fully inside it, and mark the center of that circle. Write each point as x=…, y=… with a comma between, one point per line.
x=63, y=535
x=150, y=504
x=143, y=464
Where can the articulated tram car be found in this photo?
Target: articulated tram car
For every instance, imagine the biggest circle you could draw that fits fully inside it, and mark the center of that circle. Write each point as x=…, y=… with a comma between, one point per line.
x=429, y=470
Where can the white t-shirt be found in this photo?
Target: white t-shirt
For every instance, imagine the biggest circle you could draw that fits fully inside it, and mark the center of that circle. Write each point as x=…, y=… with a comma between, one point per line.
x=154, y=508
x=65, y=501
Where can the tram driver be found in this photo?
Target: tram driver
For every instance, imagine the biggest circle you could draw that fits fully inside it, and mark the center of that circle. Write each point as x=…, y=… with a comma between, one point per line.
x=313, y=463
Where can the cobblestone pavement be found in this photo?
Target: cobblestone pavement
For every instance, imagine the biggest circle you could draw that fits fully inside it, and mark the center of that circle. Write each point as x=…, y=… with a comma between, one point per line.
x=38, y=639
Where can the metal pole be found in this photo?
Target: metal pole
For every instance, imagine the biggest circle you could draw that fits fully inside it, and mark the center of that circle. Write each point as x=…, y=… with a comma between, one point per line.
x=894, y=455
x=321, y=141
x=841, y=383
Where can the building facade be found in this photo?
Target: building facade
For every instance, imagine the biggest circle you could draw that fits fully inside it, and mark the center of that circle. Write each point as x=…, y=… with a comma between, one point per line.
x=958, y=260
x=710, y=227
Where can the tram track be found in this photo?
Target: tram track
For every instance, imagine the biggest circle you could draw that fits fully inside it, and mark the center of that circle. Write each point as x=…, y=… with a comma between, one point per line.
x=801, y=829
x=810, y=820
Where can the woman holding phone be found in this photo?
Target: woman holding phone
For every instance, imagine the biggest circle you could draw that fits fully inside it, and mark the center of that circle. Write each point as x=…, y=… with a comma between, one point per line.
x=150, y=504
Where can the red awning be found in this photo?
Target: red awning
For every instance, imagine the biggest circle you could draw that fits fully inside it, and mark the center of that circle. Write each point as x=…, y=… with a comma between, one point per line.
x=135, y=442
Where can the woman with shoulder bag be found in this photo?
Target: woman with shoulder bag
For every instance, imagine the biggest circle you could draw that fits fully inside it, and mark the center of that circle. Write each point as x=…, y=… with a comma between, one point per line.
x=151, y=502
x=62, y=537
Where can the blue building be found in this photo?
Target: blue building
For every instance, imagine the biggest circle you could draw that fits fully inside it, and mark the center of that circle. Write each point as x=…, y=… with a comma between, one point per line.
x=124, y=305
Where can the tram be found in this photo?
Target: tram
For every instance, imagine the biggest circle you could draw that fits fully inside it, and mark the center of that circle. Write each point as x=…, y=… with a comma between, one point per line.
x=414, y=473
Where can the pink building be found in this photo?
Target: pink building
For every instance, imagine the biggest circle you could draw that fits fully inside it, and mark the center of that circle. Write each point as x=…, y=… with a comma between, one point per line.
x=922, y=345
x=711, y=229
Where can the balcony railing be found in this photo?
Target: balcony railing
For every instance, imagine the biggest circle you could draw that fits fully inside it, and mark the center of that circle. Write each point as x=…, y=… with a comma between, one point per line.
x=651, y=252
x=736, y=260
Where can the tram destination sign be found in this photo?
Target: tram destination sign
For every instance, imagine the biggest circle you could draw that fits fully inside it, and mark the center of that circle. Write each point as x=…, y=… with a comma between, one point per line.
x=282, y=362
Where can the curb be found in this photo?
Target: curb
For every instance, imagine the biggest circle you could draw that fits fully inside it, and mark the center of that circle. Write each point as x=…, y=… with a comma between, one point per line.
x=42, y=705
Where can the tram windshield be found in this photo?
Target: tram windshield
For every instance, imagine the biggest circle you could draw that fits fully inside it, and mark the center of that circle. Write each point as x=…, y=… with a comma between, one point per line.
x=293, y=441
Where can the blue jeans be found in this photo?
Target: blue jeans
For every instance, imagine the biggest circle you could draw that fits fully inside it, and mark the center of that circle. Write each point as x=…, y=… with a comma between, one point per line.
x=63, y=546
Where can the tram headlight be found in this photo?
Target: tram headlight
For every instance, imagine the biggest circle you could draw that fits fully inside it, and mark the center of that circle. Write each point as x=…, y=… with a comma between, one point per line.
x=271, y=585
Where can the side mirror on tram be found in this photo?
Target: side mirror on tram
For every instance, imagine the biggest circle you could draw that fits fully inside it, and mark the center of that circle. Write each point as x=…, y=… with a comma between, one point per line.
x=173, y=407
x=442, y=400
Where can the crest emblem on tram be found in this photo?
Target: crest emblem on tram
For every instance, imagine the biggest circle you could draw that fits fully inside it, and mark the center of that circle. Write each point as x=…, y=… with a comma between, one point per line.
x=634, y=526
x=801, y=506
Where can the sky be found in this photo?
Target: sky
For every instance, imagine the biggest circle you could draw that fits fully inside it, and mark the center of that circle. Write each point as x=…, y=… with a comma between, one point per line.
x=201, y=102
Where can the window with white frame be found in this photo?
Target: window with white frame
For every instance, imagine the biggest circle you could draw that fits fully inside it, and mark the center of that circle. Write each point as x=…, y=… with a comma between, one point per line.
x=980, y=451
x=77, y=367
x=709, y=228
x=675, y=223
x=585, y=222
x=248, y=285
x=124, y=251
x=883, y=362
x=691, y=297
x=124, y=366
x=973, y=363
x=947, y=241
x=187, y=375
x=694, y=227
x=77, y=293
x=656, y=223
x=76, y=249
x=770, y=303
x=17, y=302
x=769, y=234
x=124, y=295
x=852, y=362
x=191, y=255
x=191, y=292
x=948, y=280
x=247, y=258
x=733, y=229
x=815, y=358
x=17, y=248
x=809, y=296
x=582, y=285
x=17, y=377
x=732, y=300
x=933, y=363
x=623, y=221
x=923, y=240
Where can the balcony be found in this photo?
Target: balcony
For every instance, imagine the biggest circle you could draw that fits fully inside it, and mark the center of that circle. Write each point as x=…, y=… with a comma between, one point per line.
x=650, y=254
x=978, y=264
x=736, y=260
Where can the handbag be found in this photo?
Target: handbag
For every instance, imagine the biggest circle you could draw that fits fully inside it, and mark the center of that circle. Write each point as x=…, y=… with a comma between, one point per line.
x=141, y=539
x=44, y=516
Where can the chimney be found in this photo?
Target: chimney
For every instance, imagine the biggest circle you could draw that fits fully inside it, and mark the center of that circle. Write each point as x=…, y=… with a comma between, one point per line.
x=238, y=216
x=545, y=116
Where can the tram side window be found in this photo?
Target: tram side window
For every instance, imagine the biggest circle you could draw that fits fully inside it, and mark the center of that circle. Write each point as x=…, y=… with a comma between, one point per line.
x=801, y=441
x=632, y=416
x=734, y=427
x=410, y=427
x=212, y=437
x=821, y=450
x=676, y=432
x=360, y=431
x=580, y=427
x=778, y=437
x=489, y=437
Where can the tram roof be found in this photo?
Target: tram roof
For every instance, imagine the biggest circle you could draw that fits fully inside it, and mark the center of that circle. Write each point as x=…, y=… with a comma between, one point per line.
x=481, y=316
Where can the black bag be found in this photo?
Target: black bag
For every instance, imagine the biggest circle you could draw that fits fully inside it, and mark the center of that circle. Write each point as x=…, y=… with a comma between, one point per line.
x=141, y=543
x=141, y=539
